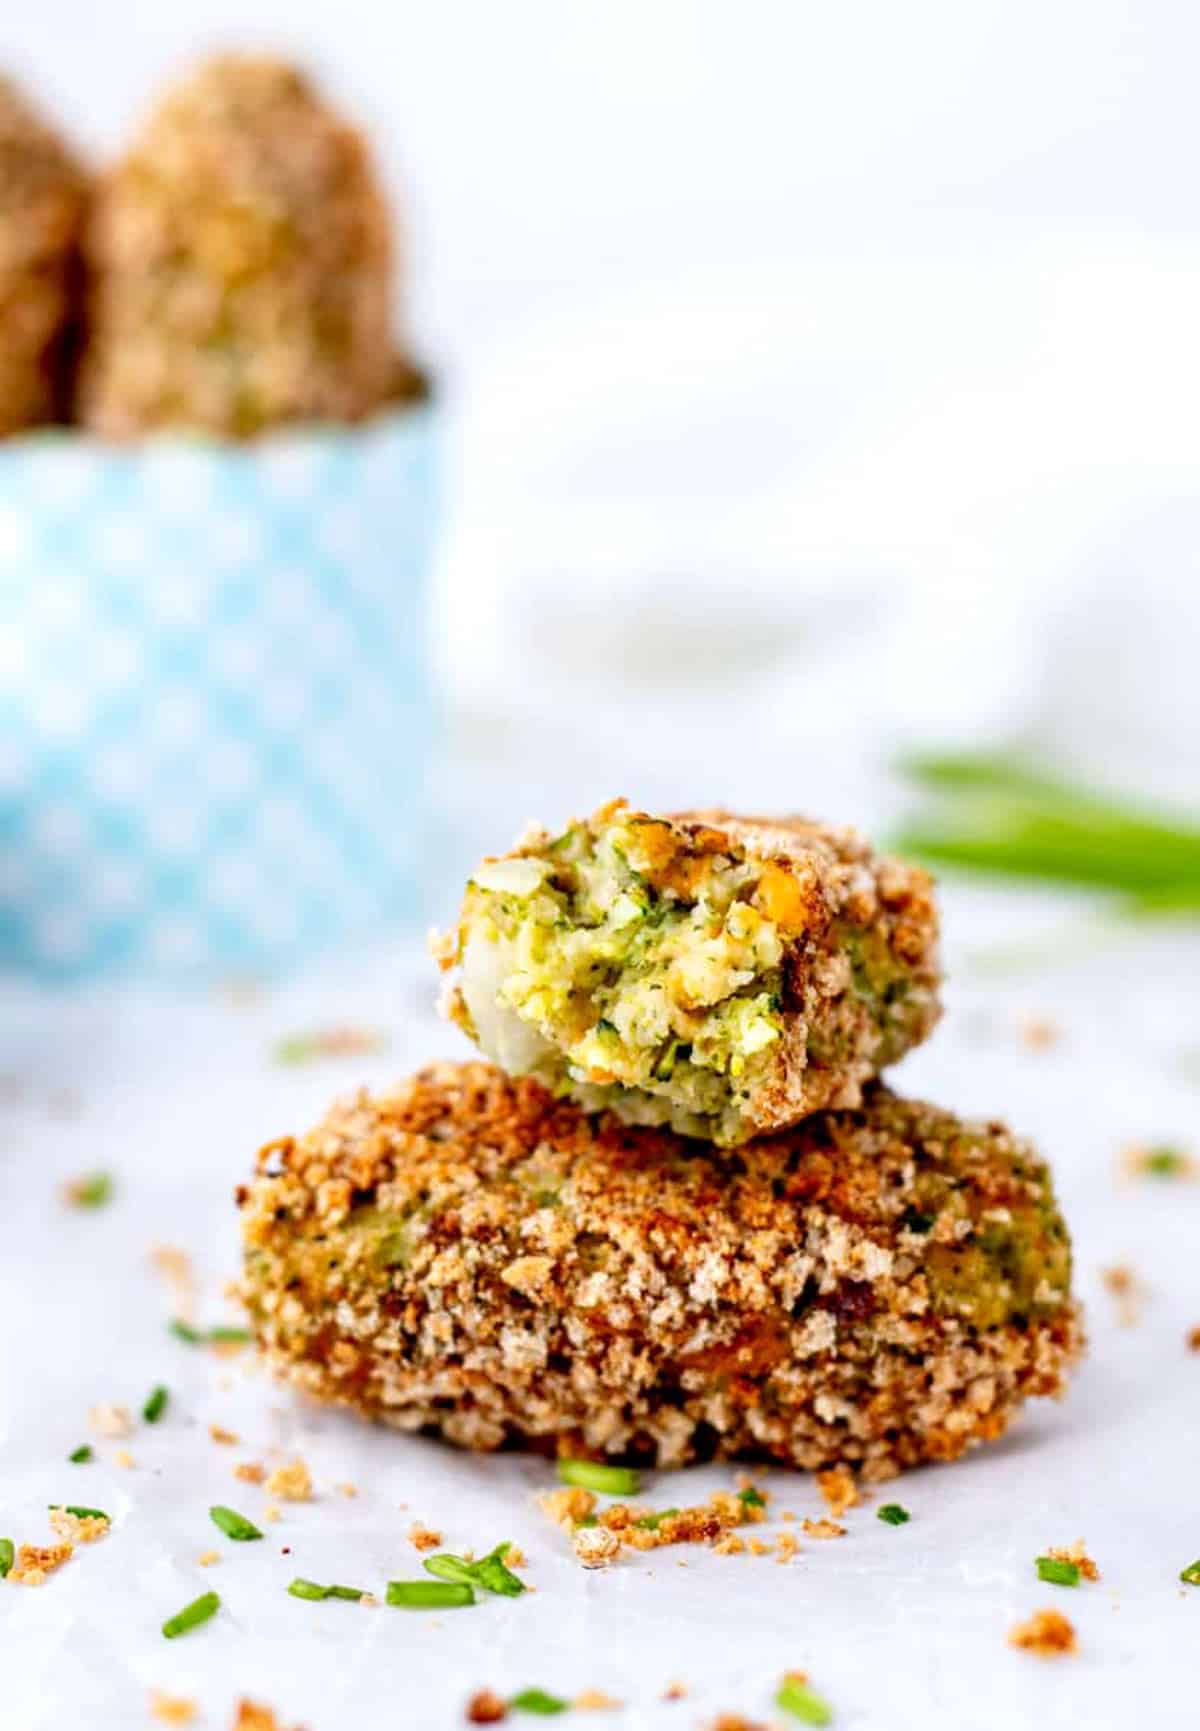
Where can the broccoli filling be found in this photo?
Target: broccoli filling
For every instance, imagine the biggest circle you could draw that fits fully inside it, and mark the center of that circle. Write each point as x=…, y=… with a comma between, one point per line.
x=635, y=966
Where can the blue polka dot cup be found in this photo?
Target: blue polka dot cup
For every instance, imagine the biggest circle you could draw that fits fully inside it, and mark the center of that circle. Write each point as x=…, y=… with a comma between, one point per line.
x=215, y=710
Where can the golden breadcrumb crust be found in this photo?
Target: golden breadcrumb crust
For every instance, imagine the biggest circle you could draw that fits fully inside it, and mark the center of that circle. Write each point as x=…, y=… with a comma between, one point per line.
x=468, y=1255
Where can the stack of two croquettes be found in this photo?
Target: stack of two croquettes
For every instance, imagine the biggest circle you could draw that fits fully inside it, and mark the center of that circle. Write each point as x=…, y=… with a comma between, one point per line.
x=679, y=1216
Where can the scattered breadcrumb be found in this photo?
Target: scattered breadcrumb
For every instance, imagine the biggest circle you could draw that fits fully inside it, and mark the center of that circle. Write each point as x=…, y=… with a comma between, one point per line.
x=423, y=1538
x=79, y=1529
x=341, y=1042
x=171, y=1709
x=292, y=1482
x=788, y=1515
x=675, y=1692
x=109, y=1420
x=35, y=1562
x=1047, y=1633
x=175, y=1266
x=253, y=1472
x=595, y=1700
x=735, y=1722
x=219, y=1434
x=568, y=1505
x=347, y=1489
x=758, y=1548
x=1128, y=1291
x=1158, y=1160
x=786, y=1547
x=595, y=1547
x=1193, y=1338
x=89, y=1190
x=1077, y=1554
x=486, y=1708
x=252, y=1716
x=731, y=1545
x=207, y=1558
x=123, y=1458
x=272, y=1512
x=514, y=1557
x=838, y=1488
x=823, y=1529
x=1040, y=1034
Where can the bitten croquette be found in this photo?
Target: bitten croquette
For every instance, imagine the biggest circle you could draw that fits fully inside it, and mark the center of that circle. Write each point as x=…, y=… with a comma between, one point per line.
x=719, y=974
x=878, y=1286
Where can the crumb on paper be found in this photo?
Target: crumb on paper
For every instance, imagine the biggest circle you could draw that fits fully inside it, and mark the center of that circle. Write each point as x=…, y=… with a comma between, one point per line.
x=514, y=1557
x=292, y=1482
x=786, y=1547
x=759, y=1548
x=823, y=1529
x=595, y=1700
x=171, y=1709
x=253, y=1716
x=346, y=1489
x=730, y=1545
x=1077, y=1554
x=1046, y=1633
x=1040, y=1034
x=423, y=1538
x=1193, y=1338
x=206, y=1559
x=839, y=1490
x=251, y=1472
x=336, y=1042
x=486, y=1708
x=567, y=1505
x=1158, y=1160
x=675, y=1691
x=735, y=1722
x=123, y=1458
x=88, y=1190
x=219, y=1434
x=175, y=1266
x=1126, y=1288
x=595, y=1547
x=35, y=1562
x=79, y=1529
x=272, y=1512
x=109, y=1420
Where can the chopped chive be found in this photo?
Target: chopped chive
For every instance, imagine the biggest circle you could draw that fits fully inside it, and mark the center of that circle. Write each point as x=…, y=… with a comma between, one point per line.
x=302, y=1589
x=233, y=1525
x=429, y=1595
x=93, y=1190
x=752, y=1498
x=184, y=1331
x=1057, y=1571
x=8, y=1557
x=596, y=1476
x=895, y=1514
x=1191, y=1574
x=1165, y=1162
x=224, y=1334
x=538, y=1701
x=588, y=1521
x=491, y=1572
x=81, y=1454
x=655, y=1519
x=81, y=1514
x=915, y=1220
x=156, y=1404
x=797, y=1698
x=199, y=1611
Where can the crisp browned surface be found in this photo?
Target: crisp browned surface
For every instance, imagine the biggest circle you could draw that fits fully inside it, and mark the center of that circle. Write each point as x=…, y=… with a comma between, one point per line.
x=577, y=1283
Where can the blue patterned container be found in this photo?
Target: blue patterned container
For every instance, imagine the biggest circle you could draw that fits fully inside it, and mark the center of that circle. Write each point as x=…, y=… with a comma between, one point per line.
x=215, y=713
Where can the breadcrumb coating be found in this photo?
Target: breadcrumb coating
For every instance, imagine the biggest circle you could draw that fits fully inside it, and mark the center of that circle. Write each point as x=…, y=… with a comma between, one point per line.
x=724, y=975
x=42, y=196
x=239, y=263
x=468, y=1255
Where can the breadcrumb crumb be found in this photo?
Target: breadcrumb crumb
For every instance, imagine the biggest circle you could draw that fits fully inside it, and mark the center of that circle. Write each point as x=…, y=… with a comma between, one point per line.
x=839, y=1490
x=111, y=1421
x=219, y=1434
x=675, y=1692
x=207, y=1558
x=251, y=1472
x=79, y=1529
x=1040, y=1034
x=595, y=1547
x=253, y=1716
x=1046, y=1633
x=568, y=1505
x=486, y=1708
x=124, y=1459
x=731, y=1545
x=347, y=1489
x=786, y=1547
x=175, y=1267
x=823, y=1529
x=171, y=1709
x=272, y=1512
x=423, y=1538
x=292, y=1482
x=1193, y=1339
x=1077, y=1554
x=35, y=1562
x=1127, y=1289
x=595, y=1700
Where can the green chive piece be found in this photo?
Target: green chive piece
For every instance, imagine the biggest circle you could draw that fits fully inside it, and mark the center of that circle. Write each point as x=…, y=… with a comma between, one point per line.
x=797, y=1698
x=81, y=1454
x=1165, y=1162
x=184, y=1331
x=595, y=1476
x=81, y=1514
x=8, y=1557
x=655, y=1519
x=491, y=1572
x=233, y=1525
x=1191, y=1574
x=587, y=1521
x=1057, y=1571
x=91, y=1191
x=191, y=1617
x=538, y=1701
x=302, y=1589
x=895, y=1514
x=445, y=1567
x=224, y=1334
x=156, y=1404
x=752, y=1498
x=429, y=1595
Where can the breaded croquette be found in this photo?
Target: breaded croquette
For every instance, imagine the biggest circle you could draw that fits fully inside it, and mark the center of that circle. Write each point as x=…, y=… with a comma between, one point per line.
x=723, y=975
x=878, y=1286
